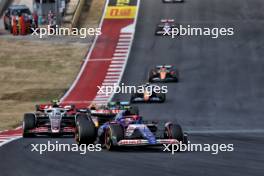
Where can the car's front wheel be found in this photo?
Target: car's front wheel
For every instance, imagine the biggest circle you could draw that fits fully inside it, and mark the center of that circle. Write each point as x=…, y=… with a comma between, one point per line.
x=29, y=123
x=113, y=134
x=85, y=130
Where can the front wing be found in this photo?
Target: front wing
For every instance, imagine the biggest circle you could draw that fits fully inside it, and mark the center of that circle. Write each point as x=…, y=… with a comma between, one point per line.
x=144, y=142
x=48, y=131
x=151, y=99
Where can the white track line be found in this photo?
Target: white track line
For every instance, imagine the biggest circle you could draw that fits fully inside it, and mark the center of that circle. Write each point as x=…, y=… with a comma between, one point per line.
x=113, y=73
x=115, y=69
x=118, y=62
x=108, y=84
x=111, y=77
x=121, y=51
x=116, y=65
x=124, y=40
x=126, y=35
x=119, y=58
x=123, y=44
x=120, y=54
x=110, y=80
x=12, y=139
x=121, y=47
x=99, y=60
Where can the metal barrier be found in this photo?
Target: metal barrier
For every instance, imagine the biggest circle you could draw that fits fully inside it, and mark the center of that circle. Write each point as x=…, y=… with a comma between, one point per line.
x=3, y=4
x=77, y=13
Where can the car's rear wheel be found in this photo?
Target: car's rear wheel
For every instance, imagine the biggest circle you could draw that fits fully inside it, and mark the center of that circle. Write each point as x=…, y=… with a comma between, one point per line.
x=113, y=134
x=29, y=123
x=85, y=130
x=133, y=96
x=162, y=97
x=150, y=76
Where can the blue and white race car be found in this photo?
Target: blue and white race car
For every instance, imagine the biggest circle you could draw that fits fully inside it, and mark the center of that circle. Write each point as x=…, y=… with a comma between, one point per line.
x=131, y=130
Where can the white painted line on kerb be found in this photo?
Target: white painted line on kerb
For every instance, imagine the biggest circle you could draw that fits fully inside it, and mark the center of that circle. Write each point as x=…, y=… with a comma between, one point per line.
x=119, y=58
x=110, y=80
x=124, y=40
x=116, y=65
x=118, y=62
x=120, y=54
x=108, y=83
x=122, y=47
x=112, y=77
x=4, y=137
x=115, y=69
x=9, y=136
x=121, y=51
x=99, y=60
x=126, y=35
x=12, y=139
x=123, y=43
x=102, y=96
x=113, y=73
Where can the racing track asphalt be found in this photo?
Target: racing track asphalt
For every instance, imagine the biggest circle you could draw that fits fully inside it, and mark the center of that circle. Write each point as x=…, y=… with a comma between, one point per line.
x=221, y=89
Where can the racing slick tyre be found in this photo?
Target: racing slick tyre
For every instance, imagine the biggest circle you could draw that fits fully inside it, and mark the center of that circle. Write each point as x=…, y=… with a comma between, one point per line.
x=174, y=131
x=162, y=97
x=150, y=76
x=29, y=123
x=113, y=134
x=85, y=130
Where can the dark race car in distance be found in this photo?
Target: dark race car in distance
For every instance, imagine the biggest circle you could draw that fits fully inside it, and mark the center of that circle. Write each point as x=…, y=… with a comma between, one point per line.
x=131, y=130
x=164, y=28
x=146, y=94
x=163, y=73
x=104, y=113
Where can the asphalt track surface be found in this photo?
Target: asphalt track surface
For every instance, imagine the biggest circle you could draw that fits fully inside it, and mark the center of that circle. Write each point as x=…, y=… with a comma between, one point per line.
x=218, y=100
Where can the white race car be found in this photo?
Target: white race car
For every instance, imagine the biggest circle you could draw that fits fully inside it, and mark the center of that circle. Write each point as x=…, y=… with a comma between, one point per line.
x=164, y=28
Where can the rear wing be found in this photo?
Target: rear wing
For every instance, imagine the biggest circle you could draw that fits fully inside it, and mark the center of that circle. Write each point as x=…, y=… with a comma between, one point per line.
x=166, y=66
x=167, y=20
x=43, y=107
